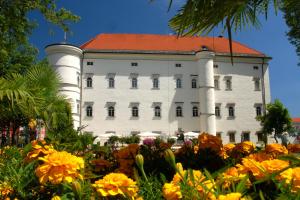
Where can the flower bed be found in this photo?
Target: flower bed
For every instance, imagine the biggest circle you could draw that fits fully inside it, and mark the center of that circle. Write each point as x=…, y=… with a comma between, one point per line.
x=202, y=169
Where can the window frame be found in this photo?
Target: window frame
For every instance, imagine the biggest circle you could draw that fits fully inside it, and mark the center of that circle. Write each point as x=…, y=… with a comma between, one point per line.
x=135, y=111
x=157, y=111
x=217, y=108
x=179, y=111
x=228, y=84
x=111, y=82
x=258, y=110
x=111, y=111
x=195, y=111
x=231, y=111
x=89, y=111
x=89, y=82
x=257, y=84
x=134, y=82
x=155, y=83
x=178, y=83
x=194, y=83
x=232, y=139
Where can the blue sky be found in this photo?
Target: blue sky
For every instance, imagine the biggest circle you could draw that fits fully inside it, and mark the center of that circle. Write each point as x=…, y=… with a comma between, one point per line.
x=141, y=16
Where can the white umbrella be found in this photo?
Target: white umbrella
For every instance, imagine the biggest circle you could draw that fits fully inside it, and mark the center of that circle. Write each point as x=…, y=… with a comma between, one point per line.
x=191, y=134
x=107, y=135
x=148, y=134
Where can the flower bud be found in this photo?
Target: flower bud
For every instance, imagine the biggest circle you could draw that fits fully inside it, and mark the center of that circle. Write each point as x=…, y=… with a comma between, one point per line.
x=76, y=188
x=139, y=160
x=170, y=158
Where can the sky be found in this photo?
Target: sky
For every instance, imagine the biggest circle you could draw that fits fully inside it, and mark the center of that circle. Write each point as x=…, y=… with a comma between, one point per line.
x=141, y=16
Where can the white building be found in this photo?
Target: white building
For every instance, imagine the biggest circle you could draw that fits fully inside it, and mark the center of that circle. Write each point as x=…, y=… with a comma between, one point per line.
x=130, y=83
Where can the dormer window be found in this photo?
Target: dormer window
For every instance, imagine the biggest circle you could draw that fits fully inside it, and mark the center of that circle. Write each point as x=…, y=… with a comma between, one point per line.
x=89, y=63
x=134, y=64
x=178, y=65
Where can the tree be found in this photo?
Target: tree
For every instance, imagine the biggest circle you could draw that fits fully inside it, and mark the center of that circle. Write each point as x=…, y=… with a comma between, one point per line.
x=276, y=120
x=201, y=17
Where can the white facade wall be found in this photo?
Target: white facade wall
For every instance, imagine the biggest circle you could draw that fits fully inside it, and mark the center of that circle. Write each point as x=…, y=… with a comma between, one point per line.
x=242, y=96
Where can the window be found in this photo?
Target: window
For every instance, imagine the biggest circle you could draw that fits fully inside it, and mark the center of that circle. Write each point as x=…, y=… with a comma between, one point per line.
x=231, y=137
x=216, y=66
x=245, y=136
x=178, y=111
x=255, y=67
x=194, y=83
x=89, y=111
x=258, y=111
x=178, y=83
x=134, y=64
x=134, y=82
x=155, y=83
x=195, y=111
x=178, y=65
x=157, y=111
x=231, y=111
x=111, y=82
x=217, y=111
x=78, y=81
x=78, y=108
x=89, y=63
x=228, y=84
x=259, y=136
x=135, y=111
x=219, y=135
x=111, y=111
x=216, y=84
x=257, y=84
x=89, y=82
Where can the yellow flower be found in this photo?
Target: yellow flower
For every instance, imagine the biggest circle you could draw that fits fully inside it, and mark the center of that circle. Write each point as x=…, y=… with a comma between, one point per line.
x=226, y=150
x=259, y=157
x=59, y=167
x=5, y=189
x=56, y=198
x=231, y=196
x=207, y=141
x=116, y=184
x=276, y=149
x=39, y=149
x=231, y=175
x=171, y=191
x=271, y=166
x=291, y=176
x=196, y=149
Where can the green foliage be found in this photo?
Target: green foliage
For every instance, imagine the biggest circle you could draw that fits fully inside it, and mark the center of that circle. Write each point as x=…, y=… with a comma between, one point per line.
x=277, y=119
x=291, y=9
x=151, y=189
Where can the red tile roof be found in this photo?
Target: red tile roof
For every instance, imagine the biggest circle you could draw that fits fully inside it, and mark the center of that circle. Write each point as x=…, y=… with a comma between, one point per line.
x=164, y=43
x=296, y=120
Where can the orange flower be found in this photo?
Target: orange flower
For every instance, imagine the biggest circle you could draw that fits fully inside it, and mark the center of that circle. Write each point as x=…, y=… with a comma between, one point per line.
x=59, y=167
x=5, y=189
x=259, y=157
x=276, y=149
x=126, y=159
x=231, y=196
x=207, y=141
x=293, y=148
x=226, y=150
x=244, y=147
x=39, y=149
x=231, y=175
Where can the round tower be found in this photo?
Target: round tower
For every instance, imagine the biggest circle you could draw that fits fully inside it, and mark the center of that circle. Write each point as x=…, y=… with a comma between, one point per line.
x=206, y=91
x=66, y=61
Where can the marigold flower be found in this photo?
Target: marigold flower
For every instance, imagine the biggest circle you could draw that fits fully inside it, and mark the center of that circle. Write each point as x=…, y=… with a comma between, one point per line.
x=207, y=141
x=5, y=189
x=39, y=149
x=231, y=175
x=244, y=147
x=259, y=157
x=293, y=148
x=276, y=149
x=171, y=191
x=56, y=198
x=231, y=196
x=226, y=150
x=59, y=167
x=291, y=176
x=126, y=158
x=116, y=184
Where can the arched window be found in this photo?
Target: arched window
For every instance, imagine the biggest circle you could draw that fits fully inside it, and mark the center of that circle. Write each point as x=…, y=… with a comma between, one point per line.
x=135, y=111
x=155, y=83
x=111, y=111
x=228, y=84
x=231, y=111
x=89, y=82
x=178, y=111
x=217, y=111
x=194, y=83
x=178, y=83
x=89, y=111
x=157, y=111
x=216, y=84
x=111, y=82
x=134, y=83
x=258, y=111
x=195, y=111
